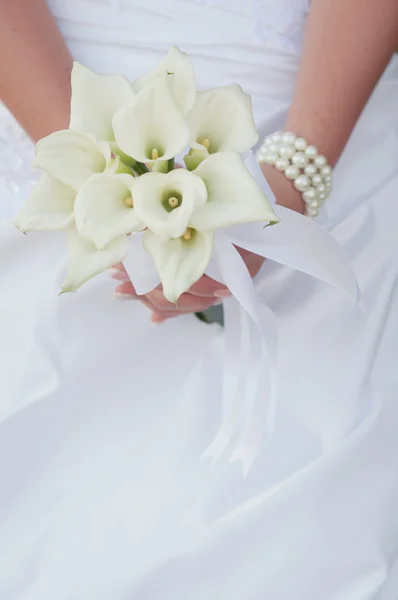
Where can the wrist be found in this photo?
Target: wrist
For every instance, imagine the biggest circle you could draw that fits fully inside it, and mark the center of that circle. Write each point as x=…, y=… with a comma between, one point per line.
x=285, y=193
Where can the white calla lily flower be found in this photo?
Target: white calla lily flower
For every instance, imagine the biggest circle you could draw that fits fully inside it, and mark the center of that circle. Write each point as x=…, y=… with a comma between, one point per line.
x=181, y=78
x=152, y=127
x=181, y=262
x=73, y=156
x=96, y=98
x=85, y=260
x=49, y=206
x=166, y=203
x=222, y=120
x=104, y=209
x=233, y=195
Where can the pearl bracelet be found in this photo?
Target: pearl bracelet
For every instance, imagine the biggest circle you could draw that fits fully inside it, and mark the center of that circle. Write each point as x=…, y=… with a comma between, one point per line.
x=302, y=164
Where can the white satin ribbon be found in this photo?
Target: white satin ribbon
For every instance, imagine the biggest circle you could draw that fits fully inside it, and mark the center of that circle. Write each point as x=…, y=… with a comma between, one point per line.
x=249, y=373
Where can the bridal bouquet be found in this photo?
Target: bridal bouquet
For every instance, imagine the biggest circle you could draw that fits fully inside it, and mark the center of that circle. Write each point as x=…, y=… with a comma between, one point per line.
x=114, y=172
x=113, y=181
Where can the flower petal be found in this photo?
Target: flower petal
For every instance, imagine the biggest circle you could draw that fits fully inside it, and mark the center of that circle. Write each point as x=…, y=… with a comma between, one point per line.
x=194, y=157
x=181, y=78
x=223, y=116
x=85, y=261
x=233, y=194
x=49, y=206
x=101, y=213
x=151, y=122
x=180, y=263
x=95, y=100
x=72, y=156
x=151, y=193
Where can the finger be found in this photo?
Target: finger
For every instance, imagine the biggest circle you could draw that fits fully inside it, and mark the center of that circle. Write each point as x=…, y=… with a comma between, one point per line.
x=126, y=289
x=186, y=302
x=209, y=288
x=161, y=318
x=118, y=275
x=119, y=267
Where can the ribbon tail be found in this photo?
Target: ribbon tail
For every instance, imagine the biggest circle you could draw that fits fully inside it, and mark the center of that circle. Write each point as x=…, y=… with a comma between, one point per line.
x=232, y=379
x=259, y=321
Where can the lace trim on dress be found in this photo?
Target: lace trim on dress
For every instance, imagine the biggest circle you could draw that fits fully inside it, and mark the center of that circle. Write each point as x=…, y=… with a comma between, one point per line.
x=17, y=177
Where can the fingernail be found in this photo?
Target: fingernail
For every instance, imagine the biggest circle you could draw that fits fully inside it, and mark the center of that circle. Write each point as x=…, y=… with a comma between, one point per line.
x=157, y=318
x=118, y=275
x=222, y=294
x=122, y=296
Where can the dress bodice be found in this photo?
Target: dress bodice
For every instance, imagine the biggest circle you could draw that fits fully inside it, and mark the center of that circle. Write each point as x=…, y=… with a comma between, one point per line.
x=254, y=43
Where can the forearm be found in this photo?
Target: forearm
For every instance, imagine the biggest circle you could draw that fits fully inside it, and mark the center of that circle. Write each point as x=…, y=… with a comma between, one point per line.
x=347, y=46
x=35, y=67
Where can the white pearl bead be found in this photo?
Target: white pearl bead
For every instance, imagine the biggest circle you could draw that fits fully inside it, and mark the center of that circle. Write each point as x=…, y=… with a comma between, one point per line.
x=311, y=195
x=310, y=170
x=271, y=158
x=321, y=188
x=326, y=171
x=282, y=164
x=328, y=185
x=289, y=137
x=273, y=147
x=302, y=183
x=311, y=152
x=287, y=151
x=317, y=179
x=300, y=160
x=268, y=140
x=322, y=196
x=292, y=172
x=312, y=212
x=328, y=179
x=277, y=137
x=313, y=203
x=300, y=144
x=320, y=161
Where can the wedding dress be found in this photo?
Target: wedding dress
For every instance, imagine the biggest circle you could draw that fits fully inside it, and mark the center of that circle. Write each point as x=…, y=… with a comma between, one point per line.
x=105, y=417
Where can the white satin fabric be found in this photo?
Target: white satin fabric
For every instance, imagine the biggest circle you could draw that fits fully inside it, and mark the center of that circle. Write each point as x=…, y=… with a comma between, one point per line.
x=105, y=417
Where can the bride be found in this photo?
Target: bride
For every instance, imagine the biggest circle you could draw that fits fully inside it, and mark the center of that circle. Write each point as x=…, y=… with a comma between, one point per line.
x=107, y=407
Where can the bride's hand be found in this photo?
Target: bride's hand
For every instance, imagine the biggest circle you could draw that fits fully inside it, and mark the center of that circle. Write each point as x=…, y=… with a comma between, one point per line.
x=202, y=295
x=206, y=292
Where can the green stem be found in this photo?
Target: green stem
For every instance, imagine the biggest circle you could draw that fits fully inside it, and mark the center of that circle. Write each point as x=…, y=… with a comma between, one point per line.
x=140, y=168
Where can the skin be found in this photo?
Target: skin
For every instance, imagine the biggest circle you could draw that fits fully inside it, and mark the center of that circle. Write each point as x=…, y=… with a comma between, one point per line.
x=348, y=44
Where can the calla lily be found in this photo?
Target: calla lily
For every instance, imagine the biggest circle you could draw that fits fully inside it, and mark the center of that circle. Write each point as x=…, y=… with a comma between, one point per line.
x=152, y=127
x=85, y=261
x=195, y=157
x=49, y=206
x=222, y=120
x=181, y=78
x=181, y=262
x=104, y=209
x=95, y=100
x=73, y=156
x=166, y=203
x=232, y=197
